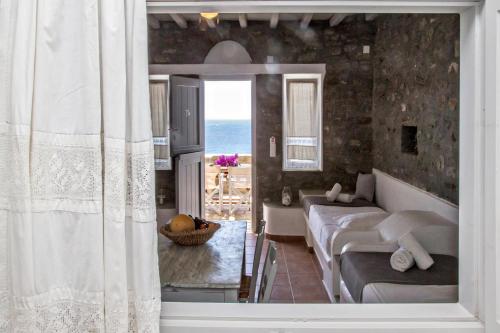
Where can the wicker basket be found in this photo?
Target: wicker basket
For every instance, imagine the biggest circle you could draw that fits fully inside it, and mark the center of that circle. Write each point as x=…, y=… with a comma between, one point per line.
x=190, y=238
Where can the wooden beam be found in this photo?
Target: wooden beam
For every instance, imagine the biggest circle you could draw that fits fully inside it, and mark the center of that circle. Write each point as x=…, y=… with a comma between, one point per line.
x=153, y=22
x=232, y=69
x=211, y=24
x=273, y=23
x=306, y=19
x=337, y=18
x=370, y=17
x=180, y=20
x=243, y=21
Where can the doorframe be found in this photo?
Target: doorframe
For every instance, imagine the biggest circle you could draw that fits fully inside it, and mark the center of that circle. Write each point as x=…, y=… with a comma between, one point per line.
x=253, y=113
x=480, y=211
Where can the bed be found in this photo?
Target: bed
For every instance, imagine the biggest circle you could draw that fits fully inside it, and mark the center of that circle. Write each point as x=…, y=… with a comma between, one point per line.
x=325, y=223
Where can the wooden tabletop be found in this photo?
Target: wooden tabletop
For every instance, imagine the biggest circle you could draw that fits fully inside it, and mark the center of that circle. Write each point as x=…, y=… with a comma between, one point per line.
x=215, y=264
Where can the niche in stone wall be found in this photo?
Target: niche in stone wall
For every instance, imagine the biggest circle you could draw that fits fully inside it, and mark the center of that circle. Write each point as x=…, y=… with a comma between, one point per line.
x=409, y=144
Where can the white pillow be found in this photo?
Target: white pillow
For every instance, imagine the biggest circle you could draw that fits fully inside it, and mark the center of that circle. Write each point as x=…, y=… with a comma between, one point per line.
x=362, y=220
x=365, y=186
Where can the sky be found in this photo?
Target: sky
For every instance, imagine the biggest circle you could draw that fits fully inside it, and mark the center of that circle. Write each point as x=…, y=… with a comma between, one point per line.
x=228, y=100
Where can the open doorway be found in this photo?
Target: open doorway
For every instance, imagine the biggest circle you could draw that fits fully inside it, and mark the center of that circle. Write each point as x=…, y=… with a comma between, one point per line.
x=228, y=148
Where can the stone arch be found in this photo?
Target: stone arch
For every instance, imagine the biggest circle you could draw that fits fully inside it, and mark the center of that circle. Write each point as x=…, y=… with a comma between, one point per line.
x=228, y=52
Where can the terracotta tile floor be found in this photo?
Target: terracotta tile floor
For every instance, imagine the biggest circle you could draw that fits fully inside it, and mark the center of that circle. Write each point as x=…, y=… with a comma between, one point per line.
x=298, y=278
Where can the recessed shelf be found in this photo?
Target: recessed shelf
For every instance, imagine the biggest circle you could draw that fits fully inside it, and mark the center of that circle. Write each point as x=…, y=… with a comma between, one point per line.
x=409, y=143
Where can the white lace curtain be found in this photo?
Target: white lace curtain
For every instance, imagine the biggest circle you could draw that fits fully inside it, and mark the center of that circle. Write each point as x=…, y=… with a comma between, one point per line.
x=77, y=212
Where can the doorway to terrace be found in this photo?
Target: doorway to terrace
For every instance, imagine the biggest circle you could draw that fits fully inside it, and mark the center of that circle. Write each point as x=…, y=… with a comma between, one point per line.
x=228, y=147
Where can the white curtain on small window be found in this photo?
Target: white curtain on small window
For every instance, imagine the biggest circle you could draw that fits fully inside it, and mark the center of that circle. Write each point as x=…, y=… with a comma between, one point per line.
x=159, y=112
x=302, y=121
x=78, y=241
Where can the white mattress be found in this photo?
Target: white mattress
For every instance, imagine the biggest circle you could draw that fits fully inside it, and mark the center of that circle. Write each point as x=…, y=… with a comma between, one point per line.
x=401, y=293
x=323, y=221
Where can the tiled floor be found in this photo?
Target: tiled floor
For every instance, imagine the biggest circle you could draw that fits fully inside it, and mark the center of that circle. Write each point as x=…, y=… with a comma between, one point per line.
x=298, y=279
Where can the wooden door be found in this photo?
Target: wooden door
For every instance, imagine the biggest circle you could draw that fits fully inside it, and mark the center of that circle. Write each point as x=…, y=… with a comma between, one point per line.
x=190, y=181
x=187, y=115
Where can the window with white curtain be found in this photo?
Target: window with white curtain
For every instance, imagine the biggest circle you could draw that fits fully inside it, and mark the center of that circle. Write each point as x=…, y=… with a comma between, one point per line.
x=302, y=125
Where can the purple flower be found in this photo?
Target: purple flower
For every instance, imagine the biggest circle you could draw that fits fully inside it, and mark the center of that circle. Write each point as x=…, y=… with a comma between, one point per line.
x=227, y=161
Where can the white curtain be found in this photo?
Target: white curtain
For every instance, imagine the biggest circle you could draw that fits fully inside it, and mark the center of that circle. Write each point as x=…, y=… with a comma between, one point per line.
x=159, y=115
x=77, y=211
x=302, y=121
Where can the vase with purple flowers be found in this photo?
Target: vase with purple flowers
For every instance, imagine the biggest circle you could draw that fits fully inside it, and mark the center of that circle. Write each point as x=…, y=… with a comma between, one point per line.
x=227, y=160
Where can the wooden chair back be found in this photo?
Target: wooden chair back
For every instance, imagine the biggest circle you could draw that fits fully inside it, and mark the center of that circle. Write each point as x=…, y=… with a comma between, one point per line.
x=268, y=274
x=261, y=235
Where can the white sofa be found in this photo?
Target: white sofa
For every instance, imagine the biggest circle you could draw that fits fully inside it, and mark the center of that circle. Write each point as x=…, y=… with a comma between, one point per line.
x=329, y=228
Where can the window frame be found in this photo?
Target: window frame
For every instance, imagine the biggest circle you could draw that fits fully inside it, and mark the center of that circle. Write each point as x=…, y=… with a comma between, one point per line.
x=478, y=307
x=318, y=78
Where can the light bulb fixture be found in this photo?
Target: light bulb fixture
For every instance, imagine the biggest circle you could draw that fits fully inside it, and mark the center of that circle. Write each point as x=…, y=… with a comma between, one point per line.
x=209, y=16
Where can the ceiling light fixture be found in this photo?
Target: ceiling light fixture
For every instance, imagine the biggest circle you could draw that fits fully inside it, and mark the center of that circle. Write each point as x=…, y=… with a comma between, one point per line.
x=209, y=16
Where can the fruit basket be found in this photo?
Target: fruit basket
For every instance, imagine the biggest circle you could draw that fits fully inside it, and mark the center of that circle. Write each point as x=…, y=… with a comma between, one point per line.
x=191, y=238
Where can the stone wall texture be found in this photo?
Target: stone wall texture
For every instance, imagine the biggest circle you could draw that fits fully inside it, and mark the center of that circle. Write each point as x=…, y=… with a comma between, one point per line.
x=416, y=83
x=347, y=101
x=412, y=66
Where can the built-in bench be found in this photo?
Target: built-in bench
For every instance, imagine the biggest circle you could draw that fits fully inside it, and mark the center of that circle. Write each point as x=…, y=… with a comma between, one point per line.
x=391, y=195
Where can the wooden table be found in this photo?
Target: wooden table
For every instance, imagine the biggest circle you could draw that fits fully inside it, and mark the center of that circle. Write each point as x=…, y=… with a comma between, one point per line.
x=207, y=273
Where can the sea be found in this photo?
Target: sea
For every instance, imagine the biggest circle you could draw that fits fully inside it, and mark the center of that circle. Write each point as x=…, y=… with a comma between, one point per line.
x=228, y=136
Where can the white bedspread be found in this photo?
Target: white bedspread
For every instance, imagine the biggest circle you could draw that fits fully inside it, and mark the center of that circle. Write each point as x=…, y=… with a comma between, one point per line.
x=399, y=293
x=324, y=220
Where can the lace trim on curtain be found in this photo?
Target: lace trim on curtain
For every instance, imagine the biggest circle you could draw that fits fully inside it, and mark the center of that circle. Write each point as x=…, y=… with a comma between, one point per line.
x=69, y=311
x=49, y=171
x=65, y=173
x=143, y=316
x=135, y=198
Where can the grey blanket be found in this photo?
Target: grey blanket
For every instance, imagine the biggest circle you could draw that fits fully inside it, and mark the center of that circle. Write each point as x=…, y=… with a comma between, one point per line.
x=361, y=268
x=323, y=201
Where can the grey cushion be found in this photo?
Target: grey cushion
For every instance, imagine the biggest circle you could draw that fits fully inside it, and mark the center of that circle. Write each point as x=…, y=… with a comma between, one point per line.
x=365, y=186
x=361, y=268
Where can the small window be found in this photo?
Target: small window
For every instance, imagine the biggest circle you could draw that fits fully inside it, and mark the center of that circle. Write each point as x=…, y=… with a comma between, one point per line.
x=302, y=122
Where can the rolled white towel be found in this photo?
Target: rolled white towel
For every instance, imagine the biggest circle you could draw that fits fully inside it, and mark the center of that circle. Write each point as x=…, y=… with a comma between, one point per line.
x=334, y=192
x=402, y=260
x=421, y=256
x=345, y=197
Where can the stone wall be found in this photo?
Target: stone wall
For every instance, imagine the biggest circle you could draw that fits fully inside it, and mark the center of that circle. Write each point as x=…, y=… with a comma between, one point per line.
x=347, y=131
x=410, y=78
x=416, y=83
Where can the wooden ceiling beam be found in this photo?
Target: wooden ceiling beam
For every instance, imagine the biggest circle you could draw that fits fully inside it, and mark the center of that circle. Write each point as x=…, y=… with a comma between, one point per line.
x=273, y=22
x=243, y=21
x=211, y=24
x=336, y=19
x=306, y=19
x=180, y=20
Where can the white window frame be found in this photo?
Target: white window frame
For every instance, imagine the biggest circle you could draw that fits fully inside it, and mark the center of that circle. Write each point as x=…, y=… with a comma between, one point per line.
x=478, y=309
x=318, y=165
